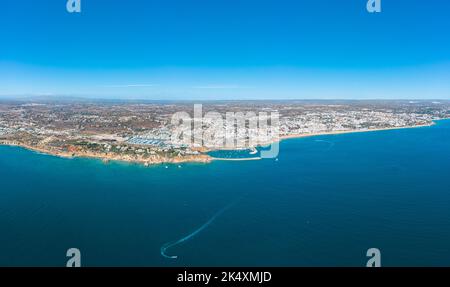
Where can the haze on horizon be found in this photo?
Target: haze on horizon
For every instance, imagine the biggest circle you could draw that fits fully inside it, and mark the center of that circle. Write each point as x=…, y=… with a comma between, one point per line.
x=226, y=50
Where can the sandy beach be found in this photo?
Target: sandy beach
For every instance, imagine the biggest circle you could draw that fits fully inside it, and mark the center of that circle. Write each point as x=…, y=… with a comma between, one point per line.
x=351, y=131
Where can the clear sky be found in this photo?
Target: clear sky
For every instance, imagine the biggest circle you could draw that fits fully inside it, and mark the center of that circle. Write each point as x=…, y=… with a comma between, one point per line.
x=226, y=49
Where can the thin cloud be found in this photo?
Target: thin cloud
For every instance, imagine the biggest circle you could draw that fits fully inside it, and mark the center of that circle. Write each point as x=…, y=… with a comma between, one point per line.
x=130, y=86
x=219, y=87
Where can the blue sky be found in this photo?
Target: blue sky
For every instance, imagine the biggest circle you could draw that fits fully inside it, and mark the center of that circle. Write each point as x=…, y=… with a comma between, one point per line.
x=226, y=49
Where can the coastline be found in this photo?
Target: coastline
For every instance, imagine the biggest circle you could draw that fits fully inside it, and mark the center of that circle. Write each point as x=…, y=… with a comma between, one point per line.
x=236, y=159
x=285, y=137
x=202, y=158
x=106, y=158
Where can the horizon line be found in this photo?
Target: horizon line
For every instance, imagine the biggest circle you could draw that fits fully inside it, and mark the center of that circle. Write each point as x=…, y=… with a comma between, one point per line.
x=87, y=98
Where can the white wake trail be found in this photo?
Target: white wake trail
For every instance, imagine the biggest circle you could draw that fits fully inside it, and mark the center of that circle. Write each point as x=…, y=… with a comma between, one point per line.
x=192, y=234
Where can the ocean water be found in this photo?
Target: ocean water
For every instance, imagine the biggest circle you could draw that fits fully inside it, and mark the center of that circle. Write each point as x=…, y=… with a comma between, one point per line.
x=324, y=202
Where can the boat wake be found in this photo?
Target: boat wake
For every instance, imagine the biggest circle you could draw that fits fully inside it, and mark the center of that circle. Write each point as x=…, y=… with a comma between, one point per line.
x=192, y=234
x=330, y=144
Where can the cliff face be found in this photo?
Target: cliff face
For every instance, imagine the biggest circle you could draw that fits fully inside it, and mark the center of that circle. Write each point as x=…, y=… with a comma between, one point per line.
x=77, y=152
x=154, y=159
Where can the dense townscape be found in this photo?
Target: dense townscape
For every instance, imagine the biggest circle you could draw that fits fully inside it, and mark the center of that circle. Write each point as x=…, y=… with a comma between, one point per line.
x=143, y=131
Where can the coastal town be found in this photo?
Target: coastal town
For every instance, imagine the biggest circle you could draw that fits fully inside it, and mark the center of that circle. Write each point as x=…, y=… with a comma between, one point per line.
x=142, y=132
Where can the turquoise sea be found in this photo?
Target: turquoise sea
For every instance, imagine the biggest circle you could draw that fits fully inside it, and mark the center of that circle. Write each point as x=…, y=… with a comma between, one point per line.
x=324, y=202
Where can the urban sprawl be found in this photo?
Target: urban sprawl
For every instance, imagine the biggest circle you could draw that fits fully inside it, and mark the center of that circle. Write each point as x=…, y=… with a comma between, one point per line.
x=144, y=131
